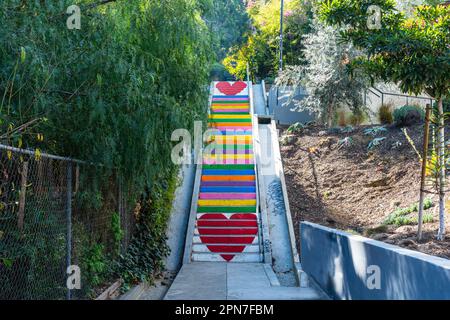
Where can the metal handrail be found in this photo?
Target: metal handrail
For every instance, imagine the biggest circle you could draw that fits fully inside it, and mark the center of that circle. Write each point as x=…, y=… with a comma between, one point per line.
x=44, y=155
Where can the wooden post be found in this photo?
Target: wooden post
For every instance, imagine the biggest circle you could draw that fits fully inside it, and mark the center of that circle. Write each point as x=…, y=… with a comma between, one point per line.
x=424, y=169
x=23, y=189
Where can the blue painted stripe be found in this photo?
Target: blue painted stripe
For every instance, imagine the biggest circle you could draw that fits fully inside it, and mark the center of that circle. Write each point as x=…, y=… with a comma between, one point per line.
x=225, y=97
x=228, y=189
x=215, y=172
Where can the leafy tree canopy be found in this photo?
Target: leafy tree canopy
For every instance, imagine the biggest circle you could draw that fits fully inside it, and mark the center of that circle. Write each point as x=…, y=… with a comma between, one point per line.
x=411, y=51
x=261, y=50
x=113, y=91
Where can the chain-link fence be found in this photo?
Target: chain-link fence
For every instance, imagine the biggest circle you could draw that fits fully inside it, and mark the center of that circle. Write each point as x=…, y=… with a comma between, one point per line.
x=54, y=214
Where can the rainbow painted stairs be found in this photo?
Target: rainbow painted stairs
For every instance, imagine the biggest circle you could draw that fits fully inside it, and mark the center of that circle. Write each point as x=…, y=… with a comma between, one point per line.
x=227, y=218
x=228, y=250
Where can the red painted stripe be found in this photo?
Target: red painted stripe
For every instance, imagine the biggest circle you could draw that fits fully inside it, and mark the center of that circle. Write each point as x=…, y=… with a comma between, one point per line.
x=231, y=240
x=227, y=257
x=219, y=216
x=226, y=249
x=227, y=223
x=207, y=231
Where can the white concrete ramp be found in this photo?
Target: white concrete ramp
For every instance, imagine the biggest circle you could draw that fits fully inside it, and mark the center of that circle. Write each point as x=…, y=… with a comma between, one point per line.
x=233, y=281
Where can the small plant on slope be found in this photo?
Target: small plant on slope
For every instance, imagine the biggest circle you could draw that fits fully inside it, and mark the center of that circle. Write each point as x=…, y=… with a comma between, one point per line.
x=345, y=143
x=375, y=143
x=375, y=131
x=295, y=128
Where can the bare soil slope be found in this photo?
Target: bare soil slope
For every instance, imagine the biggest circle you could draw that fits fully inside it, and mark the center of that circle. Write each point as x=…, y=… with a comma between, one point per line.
x=355, y=189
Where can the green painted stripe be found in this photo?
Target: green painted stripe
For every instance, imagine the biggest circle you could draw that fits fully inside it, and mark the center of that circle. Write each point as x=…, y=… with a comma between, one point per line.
x=229, y=166
x=230, y=120
x=229, y=113
x=251, y=209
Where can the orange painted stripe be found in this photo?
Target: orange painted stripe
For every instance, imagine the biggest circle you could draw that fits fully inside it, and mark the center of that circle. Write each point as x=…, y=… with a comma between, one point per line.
x=233, y=124
x=228, y=178
x=230, y=105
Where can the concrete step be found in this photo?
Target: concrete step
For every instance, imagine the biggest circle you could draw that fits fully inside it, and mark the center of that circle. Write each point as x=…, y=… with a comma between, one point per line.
x=236, y=257
x=224, y=248
x=274, y=293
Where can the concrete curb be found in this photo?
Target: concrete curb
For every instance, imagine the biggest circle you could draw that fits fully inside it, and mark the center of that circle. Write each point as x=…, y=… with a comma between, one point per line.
x=274, y=282
x=266, y=244
x=277, y=156
x=135, y=292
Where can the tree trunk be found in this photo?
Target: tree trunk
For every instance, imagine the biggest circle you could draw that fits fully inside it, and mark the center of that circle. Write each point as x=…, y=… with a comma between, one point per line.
x=330, y=114
x=424, y=169
x=442, y=180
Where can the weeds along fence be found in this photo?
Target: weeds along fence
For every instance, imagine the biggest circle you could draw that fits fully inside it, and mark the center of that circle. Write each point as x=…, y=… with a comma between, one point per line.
x=51, y=217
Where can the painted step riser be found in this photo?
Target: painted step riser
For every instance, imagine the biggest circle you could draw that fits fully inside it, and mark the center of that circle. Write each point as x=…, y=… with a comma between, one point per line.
x=225, y=240
x=246, y=232
x=228, y=216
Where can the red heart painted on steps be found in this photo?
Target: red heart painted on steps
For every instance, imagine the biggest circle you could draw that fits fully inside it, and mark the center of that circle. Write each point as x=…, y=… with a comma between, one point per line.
x=231, y=89
x=219, y=239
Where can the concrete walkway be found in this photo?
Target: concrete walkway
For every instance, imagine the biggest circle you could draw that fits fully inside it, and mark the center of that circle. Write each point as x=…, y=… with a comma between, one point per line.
x=233, y=281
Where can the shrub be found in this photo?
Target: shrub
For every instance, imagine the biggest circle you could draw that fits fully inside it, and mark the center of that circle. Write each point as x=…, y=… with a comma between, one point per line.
x=342, y=119
x=385, y=114
x=357, y=117
x=400, y=216
x=375, y=131
x=408, y=115
x=295, y=128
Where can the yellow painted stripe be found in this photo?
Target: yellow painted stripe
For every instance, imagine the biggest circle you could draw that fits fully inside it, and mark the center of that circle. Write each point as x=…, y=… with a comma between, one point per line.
x=225, y=116
x=231, y=139
x=226, y=203
x=229, y=107
x=229, y=156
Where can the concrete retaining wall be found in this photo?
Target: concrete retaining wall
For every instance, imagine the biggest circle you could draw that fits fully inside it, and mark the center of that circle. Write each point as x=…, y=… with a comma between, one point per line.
x=346, y=266
x=283, y=109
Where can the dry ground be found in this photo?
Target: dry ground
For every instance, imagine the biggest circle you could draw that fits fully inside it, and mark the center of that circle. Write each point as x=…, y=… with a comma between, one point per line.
x=353, y=189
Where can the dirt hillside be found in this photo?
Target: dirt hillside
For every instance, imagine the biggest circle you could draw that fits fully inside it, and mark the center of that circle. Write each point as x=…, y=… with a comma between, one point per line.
x=351, y=187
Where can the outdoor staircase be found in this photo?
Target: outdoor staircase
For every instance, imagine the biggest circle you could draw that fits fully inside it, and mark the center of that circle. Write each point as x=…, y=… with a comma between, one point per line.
x=227, y=219
x=224, y=256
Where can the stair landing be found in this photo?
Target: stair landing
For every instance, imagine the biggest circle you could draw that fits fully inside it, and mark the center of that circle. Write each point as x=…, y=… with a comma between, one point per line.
x=233, y=281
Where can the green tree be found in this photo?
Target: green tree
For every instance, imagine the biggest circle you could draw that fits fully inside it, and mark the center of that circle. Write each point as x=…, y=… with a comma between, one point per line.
x=229, y=23
x=110, y=93
x=325, y=75
x=413, y=52
x=261, y=50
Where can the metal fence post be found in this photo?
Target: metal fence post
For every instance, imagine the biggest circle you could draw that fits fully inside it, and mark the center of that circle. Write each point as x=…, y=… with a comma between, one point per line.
x=69, y=220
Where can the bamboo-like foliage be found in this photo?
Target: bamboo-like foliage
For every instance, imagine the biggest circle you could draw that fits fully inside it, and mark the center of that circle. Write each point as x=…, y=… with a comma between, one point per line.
x=111, y=92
